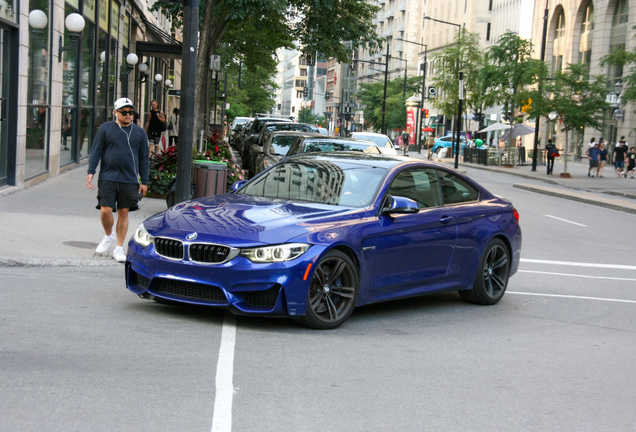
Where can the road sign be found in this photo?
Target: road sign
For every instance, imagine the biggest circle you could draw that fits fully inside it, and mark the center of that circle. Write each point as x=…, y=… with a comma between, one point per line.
x=432, y=92
x=215, y=62
x=619, y=115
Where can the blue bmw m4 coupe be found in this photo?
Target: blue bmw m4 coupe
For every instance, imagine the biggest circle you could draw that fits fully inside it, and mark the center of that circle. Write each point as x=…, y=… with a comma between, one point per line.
x=318, y=234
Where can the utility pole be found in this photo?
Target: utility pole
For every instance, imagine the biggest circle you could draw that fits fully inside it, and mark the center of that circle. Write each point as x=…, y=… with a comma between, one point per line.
x=535, y=146
x=386, y=78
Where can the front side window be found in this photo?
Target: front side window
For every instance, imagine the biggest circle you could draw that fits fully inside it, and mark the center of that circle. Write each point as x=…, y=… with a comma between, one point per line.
x=456, y=190
x=420, y=185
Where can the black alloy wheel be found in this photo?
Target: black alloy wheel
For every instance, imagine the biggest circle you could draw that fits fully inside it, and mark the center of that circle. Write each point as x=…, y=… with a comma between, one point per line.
x=492, y=275
x=333, y=292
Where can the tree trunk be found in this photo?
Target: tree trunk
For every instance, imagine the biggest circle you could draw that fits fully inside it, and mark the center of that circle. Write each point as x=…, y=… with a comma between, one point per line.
x=212, y=30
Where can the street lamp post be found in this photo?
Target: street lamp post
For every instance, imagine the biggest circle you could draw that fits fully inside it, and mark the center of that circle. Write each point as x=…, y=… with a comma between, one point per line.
x=461, y=95
x=420, y=119
x=536, y=126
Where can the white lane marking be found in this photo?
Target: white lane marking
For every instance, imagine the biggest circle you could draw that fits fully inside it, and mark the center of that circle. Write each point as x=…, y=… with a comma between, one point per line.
x=575, y=264
x=577, y=275
x=573, y=297
x=222, y=417
x=565, y=220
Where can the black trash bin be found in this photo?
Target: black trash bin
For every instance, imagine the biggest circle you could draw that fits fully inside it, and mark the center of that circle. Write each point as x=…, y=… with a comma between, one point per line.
x=210, y=178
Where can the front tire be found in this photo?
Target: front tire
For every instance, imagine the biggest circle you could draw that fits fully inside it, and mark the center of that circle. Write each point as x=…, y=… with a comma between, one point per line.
x=333, y=293
x=492, y=275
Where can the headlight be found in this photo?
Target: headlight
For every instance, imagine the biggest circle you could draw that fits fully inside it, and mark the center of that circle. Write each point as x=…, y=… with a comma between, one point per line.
x=141, y=237
x=277, y=253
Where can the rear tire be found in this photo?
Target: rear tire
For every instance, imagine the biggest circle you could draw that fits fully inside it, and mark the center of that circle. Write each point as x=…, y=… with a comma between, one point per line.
x=492, y=275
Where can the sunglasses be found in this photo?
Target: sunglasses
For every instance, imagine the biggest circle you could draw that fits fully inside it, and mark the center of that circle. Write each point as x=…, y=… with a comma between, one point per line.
x=126, y=113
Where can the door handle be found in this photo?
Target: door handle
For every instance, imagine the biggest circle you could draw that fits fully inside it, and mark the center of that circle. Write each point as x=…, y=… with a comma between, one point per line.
x=446, y=219
x=3, y=109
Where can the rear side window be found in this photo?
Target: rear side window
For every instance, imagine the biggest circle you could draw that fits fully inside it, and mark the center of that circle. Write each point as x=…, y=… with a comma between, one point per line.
x=455, y=189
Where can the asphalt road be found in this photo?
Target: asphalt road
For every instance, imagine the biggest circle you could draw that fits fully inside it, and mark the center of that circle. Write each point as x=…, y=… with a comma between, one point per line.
x=79, y=352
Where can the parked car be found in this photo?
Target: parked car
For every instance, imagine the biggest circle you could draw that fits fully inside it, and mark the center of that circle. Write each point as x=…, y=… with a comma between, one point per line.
x=321, y=143
x=234, y=126
x=251, y=136
x=447, y=142
x=317, y=235
x=381, y=140
x=269, y=128
x=275, y=148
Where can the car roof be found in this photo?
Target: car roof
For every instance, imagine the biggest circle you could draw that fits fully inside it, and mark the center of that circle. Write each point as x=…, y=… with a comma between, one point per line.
x=324, y=138
x=367, y=159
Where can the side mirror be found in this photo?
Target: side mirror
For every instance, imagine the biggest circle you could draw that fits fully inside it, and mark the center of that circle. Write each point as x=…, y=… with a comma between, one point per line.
x=238, y=184
x=400, y=205
x=257, y=149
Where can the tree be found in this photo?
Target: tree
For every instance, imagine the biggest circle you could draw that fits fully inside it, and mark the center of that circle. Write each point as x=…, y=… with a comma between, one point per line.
x=465, y=55
x=511, y=77
x=371, y=95
x=578, y=100
x=306, y=116
x=251, y=31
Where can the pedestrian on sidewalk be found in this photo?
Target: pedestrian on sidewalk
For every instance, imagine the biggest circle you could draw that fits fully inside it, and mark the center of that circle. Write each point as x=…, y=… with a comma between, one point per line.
x=173, y=127
x=551, y=153
x=619, y=156
x=120, y=148
x=603, y=158
x=631, y=161
x=593, y=154
x=155, y=125
x=430, y=142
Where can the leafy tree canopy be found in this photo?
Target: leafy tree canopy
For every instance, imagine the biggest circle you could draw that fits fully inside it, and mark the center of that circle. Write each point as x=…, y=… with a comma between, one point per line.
x=371, y=95
x=465, y=56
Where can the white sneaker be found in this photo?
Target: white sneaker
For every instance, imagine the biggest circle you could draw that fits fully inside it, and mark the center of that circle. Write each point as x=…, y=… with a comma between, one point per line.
x=106, y=243
x=119, y=254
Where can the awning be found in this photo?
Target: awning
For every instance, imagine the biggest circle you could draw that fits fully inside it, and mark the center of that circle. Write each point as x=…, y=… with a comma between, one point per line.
x=159, y=49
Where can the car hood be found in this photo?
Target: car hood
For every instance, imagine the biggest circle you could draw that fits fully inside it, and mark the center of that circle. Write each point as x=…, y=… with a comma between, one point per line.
x=241, y=220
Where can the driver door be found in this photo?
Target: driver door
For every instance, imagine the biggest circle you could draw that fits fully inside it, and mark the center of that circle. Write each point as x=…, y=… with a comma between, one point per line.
x=413, y=251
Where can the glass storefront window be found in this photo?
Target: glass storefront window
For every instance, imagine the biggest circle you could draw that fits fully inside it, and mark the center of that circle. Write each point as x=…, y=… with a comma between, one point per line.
x=112, y=76
x=86, y=90
x=103, y=15
x=8, y=10
x=89, y=9
x=38, y=97
x=69, y=104
x=102, y=76
x=114, y=22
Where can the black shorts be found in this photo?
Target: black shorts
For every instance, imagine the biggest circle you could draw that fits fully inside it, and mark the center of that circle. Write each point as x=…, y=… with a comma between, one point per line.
x=154, y=135
x=117, y=195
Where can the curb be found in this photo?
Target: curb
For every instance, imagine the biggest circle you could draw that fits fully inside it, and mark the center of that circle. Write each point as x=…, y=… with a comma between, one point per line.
x=44, y=262
x=574, y=196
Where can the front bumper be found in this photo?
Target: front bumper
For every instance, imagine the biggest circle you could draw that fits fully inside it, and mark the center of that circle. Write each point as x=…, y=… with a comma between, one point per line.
x=238, y=285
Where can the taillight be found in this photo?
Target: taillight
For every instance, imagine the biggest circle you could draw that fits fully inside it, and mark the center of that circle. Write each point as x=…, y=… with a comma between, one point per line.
x=515, y=213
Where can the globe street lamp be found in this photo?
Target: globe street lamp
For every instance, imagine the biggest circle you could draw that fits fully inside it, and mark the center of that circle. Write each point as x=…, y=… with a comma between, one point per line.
x=75, y=24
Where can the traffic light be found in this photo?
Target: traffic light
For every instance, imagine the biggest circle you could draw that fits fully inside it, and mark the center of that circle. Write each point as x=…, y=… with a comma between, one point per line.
x=305, y=92
x=335, y=78
x=425, y=112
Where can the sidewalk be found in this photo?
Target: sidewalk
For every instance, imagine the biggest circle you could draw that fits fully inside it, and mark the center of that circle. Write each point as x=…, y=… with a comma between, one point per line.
x=55, y=223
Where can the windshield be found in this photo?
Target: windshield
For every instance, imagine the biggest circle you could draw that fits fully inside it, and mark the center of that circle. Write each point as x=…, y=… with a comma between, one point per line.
x=323, y=146
x=319, y=181
x=280, y=144
x=377, y=139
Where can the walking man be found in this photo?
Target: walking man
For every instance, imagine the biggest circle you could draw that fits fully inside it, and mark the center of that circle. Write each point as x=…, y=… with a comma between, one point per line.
x=593, y=154
x=121, y=149
x=619, y=157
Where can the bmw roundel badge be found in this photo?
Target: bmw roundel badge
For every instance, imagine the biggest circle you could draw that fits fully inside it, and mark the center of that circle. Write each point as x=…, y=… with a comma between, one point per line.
x=191, y=236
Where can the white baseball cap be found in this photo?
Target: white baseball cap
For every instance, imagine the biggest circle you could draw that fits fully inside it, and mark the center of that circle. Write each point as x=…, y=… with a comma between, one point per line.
x=123, y=102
